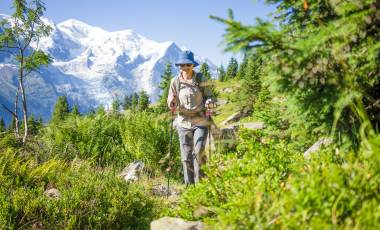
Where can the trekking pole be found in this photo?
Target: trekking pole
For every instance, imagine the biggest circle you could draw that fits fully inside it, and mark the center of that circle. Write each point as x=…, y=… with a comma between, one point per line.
x=208, y=115
x=170, y=148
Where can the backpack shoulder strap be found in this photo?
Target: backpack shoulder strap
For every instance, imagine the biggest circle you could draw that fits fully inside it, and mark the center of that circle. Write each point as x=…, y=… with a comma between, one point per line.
x=177, y=87
x=199, y=80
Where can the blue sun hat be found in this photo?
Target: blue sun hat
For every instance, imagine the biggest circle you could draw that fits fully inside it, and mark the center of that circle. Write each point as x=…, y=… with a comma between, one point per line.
x=186, y=57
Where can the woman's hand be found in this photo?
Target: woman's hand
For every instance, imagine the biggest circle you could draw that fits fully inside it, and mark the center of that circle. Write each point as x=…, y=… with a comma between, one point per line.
x=172, y=102
x=209, y=104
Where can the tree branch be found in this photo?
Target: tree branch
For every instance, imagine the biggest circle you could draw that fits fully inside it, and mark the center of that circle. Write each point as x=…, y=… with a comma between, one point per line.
x=8, y=110
x=26, y=45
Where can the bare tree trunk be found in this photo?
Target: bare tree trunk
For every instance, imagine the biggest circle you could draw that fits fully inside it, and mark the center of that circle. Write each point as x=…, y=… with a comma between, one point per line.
x=23, y=98
x=15, y=115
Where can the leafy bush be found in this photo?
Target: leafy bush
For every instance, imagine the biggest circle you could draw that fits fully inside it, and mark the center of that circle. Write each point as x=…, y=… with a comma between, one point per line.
x=111, y=139
x=273, y=186
x=234, y=183
x=147, y=137
x=90, y=197
x=8, y=140
x=95, y=138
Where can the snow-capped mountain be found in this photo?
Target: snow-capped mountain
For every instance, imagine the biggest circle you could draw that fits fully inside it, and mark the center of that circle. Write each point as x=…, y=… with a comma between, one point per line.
x=91, y=66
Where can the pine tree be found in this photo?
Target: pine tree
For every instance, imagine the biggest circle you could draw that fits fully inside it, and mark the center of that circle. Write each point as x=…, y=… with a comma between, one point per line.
x=242, y=68
x=127, y=102
x=206, y=73
x=143, y=101
x=100, y=110
x=164, y=86
x=2, y=125
x=34, y=125
x=75, y=111
x=41, y=121
x=61, y=109
x=115, y=107
x=134, y=101
x=251, y=82
x=323, y=57
x=232, y=68
x=221, y=73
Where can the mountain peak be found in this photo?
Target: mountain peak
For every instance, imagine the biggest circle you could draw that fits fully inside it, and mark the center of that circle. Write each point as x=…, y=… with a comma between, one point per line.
x=78, y=29
x=73, y=23
x=93, y=67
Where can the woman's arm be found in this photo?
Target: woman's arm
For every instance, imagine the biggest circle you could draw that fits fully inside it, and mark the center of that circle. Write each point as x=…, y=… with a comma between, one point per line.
x=172, y=99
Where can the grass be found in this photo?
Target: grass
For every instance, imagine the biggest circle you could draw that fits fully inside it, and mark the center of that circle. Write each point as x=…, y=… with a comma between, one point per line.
x=223, y=112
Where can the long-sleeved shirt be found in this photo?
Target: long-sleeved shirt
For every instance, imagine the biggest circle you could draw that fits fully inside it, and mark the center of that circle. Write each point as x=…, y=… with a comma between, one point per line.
x=191, y=99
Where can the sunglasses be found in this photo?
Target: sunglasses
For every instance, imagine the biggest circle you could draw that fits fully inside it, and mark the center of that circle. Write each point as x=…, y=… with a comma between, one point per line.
x=188, y=65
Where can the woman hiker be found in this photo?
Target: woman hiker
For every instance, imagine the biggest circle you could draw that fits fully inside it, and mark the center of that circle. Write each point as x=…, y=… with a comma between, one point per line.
x=189, y=92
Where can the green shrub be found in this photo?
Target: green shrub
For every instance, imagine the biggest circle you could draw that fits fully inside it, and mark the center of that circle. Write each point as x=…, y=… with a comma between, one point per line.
x=326, y=194
x=96, y=138
x=90, y=197
x=271, y=185
x=8, y=140
x=146, y=137
x=233, y=183
x=113, y=140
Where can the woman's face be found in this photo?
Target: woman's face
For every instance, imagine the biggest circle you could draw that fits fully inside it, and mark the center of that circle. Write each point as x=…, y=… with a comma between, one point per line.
x=186, y=67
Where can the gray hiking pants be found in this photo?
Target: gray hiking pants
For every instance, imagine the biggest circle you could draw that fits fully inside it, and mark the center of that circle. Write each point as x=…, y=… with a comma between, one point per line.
x=192, y=143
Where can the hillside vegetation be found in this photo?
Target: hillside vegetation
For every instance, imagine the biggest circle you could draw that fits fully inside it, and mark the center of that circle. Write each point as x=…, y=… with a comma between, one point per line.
x=310, y=75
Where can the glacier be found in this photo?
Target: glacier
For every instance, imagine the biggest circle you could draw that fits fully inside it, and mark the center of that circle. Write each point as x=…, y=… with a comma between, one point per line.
x=92, y=67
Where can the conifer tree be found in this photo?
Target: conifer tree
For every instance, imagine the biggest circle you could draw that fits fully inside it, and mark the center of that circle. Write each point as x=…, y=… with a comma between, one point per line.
x=251, y=81
x=100, y=110
x=61, y=109
x=127, y=102
x=323, y=58
x=115, y=107
x=34, y=125
x=221, y=73
x=166, y=77
x=242, y=68
x=134, y=101
x=2, y=125
x=143, y=101
x=206, y=73
x=75, y=111
x=40, y=120
x=232, y=68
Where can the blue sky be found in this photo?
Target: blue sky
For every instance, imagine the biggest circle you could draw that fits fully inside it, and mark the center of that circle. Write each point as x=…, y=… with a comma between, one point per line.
x=185, y=22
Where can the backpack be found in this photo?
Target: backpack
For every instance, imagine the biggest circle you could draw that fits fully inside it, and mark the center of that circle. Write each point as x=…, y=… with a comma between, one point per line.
x=177, y=86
